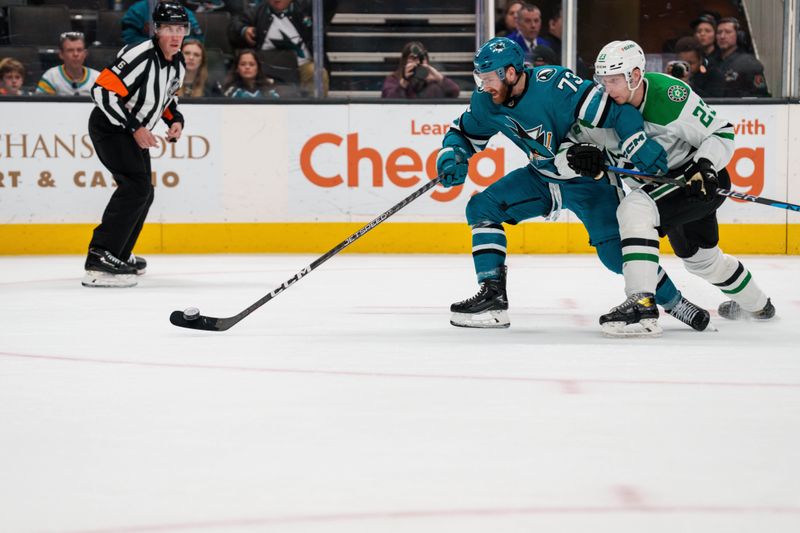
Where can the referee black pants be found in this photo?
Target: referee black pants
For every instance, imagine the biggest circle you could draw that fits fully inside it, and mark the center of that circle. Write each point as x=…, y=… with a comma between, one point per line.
x=130, y=166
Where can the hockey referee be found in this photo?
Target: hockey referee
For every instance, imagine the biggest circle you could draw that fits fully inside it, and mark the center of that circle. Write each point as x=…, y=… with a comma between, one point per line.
x=131, y=96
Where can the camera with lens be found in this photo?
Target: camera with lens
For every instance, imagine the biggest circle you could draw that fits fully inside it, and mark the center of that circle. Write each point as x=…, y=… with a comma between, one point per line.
x=420, y=72
x=678, y=69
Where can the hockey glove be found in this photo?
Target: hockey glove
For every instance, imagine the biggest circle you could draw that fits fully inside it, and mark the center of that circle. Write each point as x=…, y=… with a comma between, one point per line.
x=646, y=154
x=701, y=181
x=587, y=160
x=452, y=165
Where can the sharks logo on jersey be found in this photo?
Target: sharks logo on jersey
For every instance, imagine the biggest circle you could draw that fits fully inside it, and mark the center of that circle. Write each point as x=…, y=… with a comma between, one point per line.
x=545, y=74
x=536, y=140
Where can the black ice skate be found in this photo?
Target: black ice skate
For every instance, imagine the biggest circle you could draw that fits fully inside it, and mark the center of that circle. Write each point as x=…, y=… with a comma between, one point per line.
x=691, y=315
x=487, y=309
x=635, y=317
x=104, y=269
x=733, y=311
x=139, y=263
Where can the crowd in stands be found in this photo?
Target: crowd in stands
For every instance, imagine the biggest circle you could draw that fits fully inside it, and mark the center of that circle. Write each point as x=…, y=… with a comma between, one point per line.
x=264, y=34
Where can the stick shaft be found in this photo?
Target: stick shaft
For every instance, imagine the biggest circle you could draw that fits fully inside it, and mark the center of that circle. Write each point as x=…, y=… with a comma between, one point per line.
x=722, y=192
x=338, y=248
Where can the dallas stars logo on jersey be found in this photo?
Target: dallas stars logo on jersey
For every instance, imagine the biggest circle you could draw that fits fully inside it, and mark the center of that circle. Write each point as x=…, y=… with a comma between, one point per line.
x=536, y=140
x=677, y=93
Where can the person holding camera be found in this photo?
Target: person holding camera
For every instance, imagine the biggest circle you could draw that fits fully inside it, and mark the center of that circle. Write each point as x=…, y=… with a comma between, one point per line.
x=692, y=67
x=416, y=78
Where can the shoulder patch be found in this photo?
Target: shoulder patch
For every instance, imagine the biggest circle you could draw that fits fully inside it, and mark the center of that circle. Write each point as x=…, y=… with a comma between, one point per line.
x=677, y=93
x=121, y=64
x=544, y=74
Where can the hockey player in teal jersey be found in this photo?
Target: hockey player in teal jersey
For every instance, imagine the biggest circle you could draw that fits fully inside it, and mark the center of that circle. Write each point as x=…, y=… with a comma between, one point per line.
x=534, y=108
x=700, y=145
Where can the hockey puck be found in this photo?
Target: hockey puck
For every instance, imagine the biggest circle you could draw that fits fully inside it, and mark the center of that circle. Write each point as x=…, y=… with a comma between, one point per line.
x=191, y=313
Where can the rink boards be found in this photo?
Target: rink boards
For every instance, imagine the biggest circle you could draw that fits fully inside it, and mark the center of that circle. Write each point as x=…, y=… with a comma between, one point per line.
x=301, y=178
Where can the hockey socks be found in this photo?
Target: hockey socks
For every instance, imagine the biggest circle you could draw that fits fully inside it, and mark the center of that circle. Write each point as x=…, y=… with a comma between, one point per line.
x=488, y=249
x=730, y=276
x=640, y=264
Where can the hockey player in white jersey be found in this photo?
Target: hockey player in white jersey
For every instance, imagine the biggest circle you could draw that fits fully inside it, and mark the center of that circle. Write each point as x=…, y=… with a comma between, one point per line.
x=699, y=146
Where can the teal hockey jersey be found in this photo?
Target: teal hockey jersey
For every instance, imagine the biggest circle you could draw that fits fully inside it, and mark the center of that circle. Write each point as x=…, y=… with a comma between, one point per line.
x=539, y=119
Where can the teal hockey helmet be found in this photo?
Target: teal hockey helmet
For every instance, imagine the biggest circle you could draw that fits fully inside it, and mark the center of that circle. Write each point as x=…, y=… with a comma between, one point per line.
x=496, y=55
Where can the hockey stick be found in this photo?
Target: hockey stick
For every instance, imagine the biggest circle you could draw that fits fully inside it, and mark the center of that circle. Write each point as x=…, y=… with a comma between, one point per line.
x=722, y=192
x=192, y=319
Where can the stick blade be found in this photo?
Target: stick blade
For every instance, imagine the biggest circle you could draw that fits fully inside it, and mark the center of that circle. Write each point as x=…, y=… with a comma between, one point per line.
x=204, y=323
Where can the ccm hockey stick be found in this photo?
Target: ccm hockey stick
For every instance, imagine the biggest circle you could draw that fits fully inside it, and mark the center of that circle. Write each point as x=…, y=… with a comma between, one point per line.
x=192, y=319
x=722, y=192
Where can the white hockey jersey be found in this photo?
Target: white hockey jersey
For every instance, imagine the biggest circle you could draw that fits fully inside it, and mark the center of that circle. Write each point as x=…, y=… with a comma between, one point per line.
x=55, y=81
x=676, y=117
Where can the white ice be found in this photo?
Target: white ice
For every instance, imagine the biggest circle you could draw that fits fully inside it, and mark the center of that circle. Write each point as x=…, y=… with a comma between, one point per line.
x=349, y=404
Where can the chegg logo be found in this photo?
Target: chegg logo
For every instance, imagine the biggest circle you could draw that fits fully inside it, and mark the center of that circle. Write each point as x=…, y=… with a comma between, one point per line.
x=403, y=166
x=746, y=169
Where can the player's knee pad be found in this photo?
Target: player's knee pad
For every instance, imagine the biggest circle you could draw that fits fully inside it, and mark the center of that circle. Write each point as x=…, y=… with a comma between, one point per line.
x=610, y=255
x=479, y=209
x=711, y=264
x=637, y=215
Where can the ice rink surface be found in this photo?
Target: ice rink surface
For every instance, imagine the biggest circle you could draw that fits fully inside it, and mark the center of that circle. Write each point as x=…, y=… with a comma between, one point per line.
x=349, y=404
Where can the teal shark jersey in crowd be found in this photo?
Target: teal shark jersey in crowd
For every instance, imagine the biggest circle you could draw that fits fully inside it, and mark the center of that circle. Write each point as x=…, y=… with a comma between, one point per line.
x=539, y=119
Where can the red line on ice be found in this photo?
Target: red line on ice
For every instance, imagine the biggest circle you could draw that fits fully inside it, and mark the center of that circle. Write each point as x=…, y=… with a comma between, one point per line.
x=453, y=513
x=570, y=384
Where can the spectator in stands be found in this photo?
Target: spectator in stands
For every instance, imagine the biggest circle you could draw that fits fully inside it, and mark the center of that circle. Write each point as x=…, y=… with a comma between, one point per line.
x=692, y=67
x=529, y=23
x=281, y=25
x=201, y=6
x=195, y=82
x=743, y=74
x=136, y=24
x=12, y=77
x=705, y=31
x=508, y=24
x=71, y=78
x=555, y=28
x=544, y=55
x=247, y=79
x=416, y=78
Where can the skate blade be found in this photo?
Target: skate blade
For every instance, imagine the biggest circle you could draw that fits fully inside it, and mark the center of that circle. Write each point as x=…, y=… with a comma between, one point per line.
x=487, y=319
x=745, y=316
x=104, y=279
x=644, y=328
x=141, y=272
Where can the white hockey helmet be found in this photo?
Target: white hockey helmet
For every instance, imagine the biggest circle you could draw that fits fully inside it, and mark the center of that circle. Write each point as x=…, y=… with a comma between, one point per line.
x=620, y=57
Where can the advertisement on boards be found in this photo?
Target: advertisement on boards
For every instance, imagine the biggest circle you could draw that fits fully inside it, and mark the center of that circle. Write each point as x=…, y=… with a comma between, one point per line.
x=308, y=163
x=49, y=172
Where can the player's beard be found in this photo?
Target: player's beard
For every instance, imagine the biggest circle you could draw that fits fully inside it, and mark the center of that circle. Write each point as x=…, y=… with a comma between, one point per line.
x=501, y=95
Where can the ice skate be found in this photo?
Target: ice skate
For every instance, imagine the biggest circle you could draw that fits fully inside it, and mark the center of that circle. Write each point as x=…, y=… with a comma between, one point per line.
x=690, y=314
x=487, y=309
x=635, y=317
x=103, y=269
x=139, y=263
x=733, y=311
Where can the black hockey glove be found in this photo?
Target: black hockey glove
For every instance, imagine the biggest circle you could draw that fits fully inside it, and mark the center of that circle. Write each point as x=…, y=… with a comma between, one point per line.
x=701, y=181
x=587, y=160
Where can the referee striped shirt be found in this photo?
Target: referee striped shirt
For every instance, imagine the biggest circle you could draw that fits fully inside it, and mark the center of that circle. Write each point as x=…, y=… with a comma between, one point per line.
x=139, y=88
